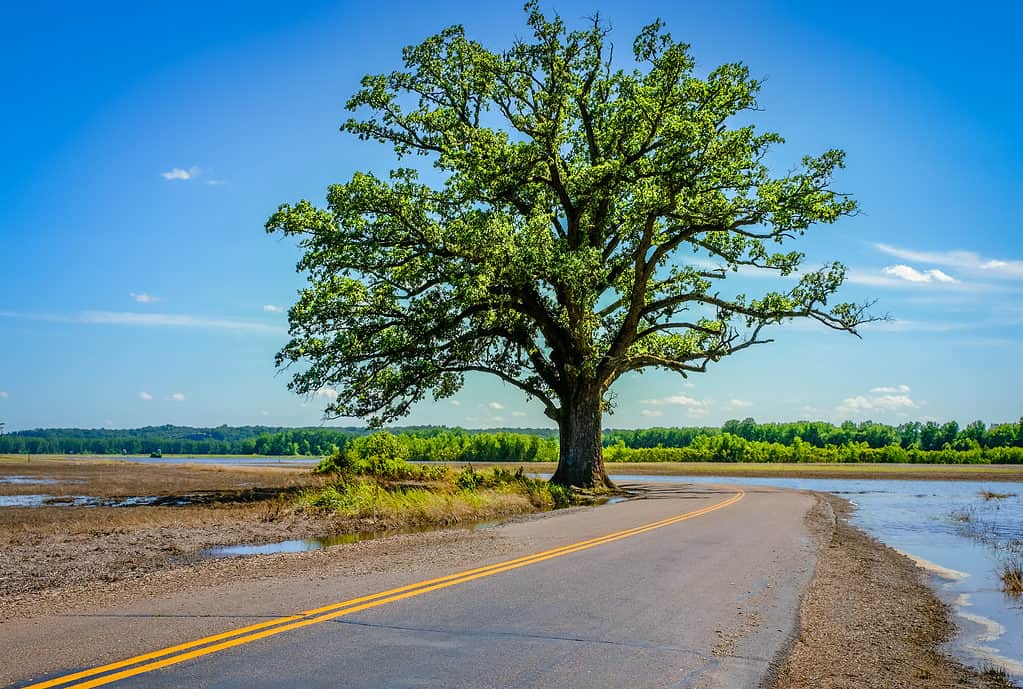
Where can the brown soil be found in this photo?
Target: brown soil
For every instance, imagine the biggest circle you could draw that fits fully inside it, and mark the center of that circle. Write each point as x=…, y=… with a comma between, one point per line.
x=49, y=554
x=869, y=619
x=111, y=478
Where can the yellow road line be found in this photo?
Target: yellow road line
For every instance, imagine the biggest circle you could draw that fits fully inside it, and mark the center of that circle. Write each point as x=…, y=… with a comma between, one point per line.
x=248, y=634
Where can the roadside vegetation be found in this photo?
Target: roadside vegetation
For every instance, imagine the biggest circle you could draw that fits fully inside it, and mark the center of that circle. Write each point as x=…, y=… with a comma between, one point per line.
x=735, y=441
x=372, y=479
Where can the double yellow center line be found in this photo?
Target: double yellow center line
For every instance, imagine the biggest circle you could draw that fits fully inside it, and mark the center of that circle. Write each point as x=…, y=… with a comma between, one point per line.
x=172, y=655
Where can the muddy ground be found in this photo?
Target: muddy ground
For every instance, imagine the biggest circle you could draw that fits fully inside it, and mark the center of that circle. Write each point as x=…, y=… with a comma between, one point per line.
x=53, y=552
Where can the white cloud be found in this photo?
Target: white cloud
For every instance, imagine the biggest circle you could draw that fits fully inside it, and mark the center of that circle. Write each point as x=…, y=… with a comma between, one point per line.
x=264, y=413
x=145, y=396
x=456, y=403
x=679, y=400
x=143, y=298
x=216, y=182
x=178, y=173
x=891, y=389
x=497, y=418
x=329, y=393
x=3, y=395
x=911, y=274
x=740, y=403
x=177, y=397
x=518, y=413
x=651, y=412
x=271, y=308
x=881, y=399
x=495, y=405
x=964, y=260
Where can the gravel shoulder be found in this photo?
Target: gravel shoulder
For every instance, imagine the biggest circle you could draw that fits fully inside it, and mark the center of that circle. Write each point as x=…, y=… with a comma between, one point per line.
x=869, y=619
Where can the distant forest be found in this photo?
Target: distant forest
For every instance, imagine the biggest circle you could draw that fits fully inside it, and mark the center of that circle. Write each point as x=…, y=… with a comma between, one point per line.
x=736, y=440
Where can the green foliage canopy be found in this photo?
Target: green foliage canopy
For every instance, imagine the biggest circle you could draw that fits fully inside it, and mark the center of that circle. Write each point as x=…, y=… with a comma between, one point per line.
x=553, y=253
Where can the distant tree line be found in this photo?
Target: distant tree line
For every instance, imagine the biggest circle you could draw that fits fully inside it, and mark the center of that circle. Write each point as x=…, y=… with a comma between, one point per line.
x=911, y=435
x=735, y=441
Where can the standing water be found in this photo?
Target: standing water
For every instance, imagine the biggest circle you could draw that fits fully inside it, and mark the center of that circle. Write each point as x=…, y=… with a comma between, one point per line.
x=953, y=529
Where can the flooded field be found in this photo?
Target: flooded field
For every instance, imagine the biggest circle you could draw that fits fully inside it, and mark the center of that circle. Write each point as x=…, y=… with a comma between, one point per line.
x=955, y=530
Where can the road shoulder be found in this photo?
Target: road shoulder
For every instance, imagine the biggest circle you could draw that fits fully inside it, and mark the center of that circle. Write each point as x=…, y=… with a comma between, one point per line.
x=869, y=619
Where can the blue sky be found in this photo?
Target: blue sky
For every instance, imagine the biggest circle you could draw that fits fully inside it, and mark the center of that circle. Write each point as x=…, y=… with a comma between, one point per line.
x=145, y=145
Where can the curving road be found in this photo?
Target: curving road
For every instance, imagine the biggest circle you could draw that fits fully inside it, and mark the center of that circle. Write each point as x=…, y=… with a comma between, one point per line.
x=684, y=587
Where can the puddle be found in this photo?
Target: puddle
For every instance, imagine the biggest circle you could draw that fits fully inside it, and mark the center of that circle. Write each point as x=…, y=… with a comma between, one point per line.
x=303, y=545
x=26, y=480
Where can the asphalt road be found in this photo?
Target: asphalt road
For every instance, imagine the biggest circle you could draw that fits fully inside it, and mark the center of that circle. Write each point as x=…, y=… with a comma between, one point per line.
x=698, y=586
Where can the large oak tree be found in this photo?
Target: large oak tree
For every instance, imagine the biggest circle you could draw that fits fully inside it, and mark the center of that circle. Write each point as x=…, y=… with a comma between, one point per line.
x=583, y=222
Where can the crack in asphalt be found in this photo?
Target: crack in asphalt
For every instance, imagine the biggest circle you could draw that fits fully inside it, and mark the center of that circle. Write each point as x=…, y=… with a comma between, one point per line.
x=539, y=637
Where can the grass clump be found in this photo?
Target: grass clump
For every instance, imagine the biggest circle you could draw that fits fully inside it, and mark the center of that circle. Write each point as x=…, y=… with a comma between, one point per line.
x=381, y=455
x=991, y=495
x=540, y=493
x=1012, y=577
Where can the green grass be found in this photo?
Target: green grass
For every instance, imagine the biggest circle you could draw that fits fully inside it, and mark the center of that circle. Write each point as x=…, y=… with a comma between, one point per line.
x=405, y=494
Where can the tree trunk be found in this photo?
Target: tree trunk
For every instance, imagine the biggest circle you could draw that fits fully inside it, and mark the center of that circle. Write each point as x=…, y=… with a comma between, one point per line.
x=581, y=462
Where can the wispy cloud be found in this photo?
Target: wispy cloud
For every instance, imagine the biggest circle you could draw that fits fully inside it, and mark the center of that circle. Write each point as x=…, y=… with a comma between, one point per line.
x=273, y=308
x=907, y=326
x=495, y=405
x=165, y=320
x=651, y=412
x=177, y=173
x=130, y=318
x=456, y=403
x=518, y=413
x=177, y=397
x=216, y=182
x=891, y=389
x=740, y=404
x=328, y=393
x=143, y=298
x=679, y=400
x=911, y=274
x=3, y=395
x=963, y=260
x=145, y=396
x=908, y=277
